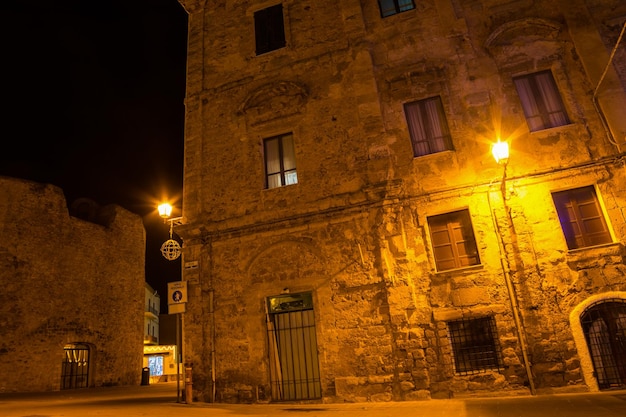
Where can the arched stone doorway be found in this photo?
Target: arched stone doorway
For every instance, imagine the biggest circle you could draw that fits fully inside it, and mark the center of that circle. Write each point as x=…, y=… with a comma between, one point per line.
x=590, y=310
x=604, y=327
x=75, y=370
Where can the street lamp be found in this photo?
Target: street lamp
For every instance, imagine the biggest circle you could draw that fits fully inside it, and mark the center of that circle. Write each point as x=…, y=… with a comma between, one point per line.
x=170, y=249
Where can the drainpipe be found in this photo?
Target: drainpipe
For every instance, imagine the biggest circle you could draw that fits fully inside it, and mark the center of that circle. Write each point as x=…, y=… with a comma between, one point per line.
x=509, y=283
x=605, y=124
x=212, y=313
x=209, y=242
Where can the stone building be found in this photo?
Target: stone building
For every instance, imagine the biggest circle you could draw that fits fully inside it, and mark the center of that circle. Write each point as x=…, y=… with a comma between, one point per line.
x=71, y=304
x=348, y=235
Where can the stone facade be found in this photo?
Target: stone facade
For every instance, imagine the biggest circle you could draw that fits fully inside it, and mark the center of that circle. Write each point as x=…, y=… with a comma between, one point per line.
x=355, y=234
x=71, y=305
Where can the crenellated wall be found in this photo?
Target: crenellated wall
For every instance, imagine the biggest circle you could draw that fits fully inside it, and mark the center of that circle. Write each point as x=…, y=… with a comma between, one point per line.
x=67, y=281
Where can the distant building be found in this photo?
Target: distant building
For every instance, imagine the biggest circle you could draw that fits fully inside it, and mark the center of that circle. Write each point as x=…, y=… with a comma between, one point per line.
x=152, y=307
x=161, y=359
x=71, y=305
x=351, y=236
x=159, y=340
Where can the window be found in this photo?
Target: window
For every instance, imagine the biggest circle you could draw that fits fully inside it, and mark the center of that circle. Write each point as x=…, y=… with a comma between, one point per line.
x=453, y=240
x=427, y=126
x=581, y=217
x=541, y=101
x=280, y=161
x=391, y=7
x=474, y=345
x=155, y=363
x=269, y=29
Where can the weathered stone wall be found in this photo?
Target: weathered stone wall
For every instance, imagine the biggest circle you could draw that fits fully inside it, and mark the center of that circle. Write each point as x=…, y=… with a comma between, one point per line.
x=65, y=280
x=353, y=231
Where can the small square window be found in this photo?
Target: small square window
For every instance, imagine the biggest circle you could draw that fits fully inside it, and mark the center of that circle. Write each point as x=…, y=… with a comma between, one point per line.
x=269, y=29
x=452, y=237
x=581, y=217
x=280, y=161
x=428, y=127
x=541, y=101
x=475, y=345
x=391, y=7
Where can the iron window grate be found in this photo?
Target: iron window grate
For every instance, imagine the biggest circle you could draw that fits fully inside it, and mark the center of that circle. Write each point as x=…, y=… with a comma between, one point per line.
x=475, y=345
x=604, y=326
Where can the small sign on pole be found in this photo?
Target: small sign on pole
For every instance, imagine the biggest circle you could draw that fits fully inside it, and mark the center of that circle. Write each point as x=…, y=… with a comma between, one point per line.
x=176, y=296
x=176, y=301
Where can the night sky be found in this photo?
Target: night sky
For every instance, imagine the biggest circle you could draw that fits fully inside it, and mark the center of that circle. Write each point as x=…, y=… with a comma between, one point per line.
x=93, y=102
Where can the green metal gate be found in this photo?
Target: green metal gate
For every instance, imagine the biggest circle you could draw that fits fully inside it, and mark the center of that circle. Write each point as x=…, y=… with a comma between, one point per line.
x=294, y=364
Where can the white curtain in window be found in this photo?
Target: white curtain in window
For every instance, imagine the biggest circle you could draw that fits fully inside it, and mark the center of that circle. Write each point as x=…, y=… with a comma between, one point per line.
x=438, y=131
x=416, y=129
x=289, y=154
x=541, y=101
x=552, y=99
x=289, y=160
x=272, y=163
x=529, y=104
x=427, y=127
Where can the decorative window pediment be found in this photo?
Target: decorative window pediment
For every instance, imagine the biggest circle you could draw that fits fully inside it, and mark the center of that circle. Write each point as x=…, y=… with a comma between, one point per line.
x=522, y=32
x=274, y=100
x=524, y=42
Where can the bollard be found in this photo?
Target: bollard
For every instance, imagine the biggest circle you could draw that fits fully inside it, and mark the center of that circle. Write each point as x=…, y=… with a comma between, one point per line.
x=188, y=384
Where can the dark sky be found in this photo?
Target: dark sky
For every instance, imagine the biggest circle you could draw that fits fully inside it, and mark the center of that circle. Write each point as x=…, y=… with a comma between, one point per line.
x=93, y=102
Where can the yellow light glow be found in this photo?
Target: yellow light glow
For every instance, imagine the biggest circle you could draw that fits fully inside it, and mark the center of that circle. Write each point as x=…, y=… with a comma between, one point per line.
x=500, y=151
x=165, y=210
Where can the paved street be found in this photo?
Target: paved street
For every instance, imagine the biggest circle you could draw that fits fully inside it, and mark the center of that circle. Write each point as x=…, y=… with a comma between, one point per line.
x=160, y=400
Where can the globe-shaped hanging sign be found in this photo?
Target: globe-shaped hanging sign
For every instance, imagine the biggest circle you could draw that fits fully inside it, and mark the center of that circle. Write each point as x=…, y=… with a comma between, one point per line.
x=170, y=249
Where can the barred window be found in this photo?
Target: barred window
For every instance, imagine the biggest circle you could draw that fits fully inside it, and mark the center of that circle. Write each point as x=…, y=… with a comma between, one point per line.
x=475, y=345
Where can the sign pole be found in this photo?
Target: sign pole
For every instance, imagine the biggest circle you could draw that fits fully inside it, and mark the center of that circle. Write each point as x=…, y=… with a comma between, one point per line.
x=178, y=358
x=177, y=296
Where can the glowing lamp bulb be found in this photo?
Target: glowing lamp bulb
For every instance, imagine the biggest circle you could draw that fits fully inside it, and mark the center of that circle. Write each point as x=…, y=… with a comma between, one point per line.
x=500, y=151
x=165, y=210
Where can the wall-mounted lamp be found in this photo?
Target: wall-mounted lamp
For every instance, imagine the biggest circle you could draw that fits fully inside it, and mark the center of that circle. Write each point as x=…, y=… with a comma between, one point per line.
x=500, y=152
x=170, y=249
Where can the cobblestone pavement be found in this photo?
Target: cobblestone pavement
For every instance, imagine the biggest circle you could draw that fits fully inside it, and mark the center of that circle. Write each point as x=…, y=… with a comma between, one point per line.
x=160, y=400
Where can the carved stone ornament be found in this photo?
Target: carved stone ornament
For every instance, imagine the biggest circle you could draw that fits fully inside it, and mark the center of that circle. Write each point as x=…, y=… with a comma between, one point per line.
x=274, y=100
x=522, y=31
